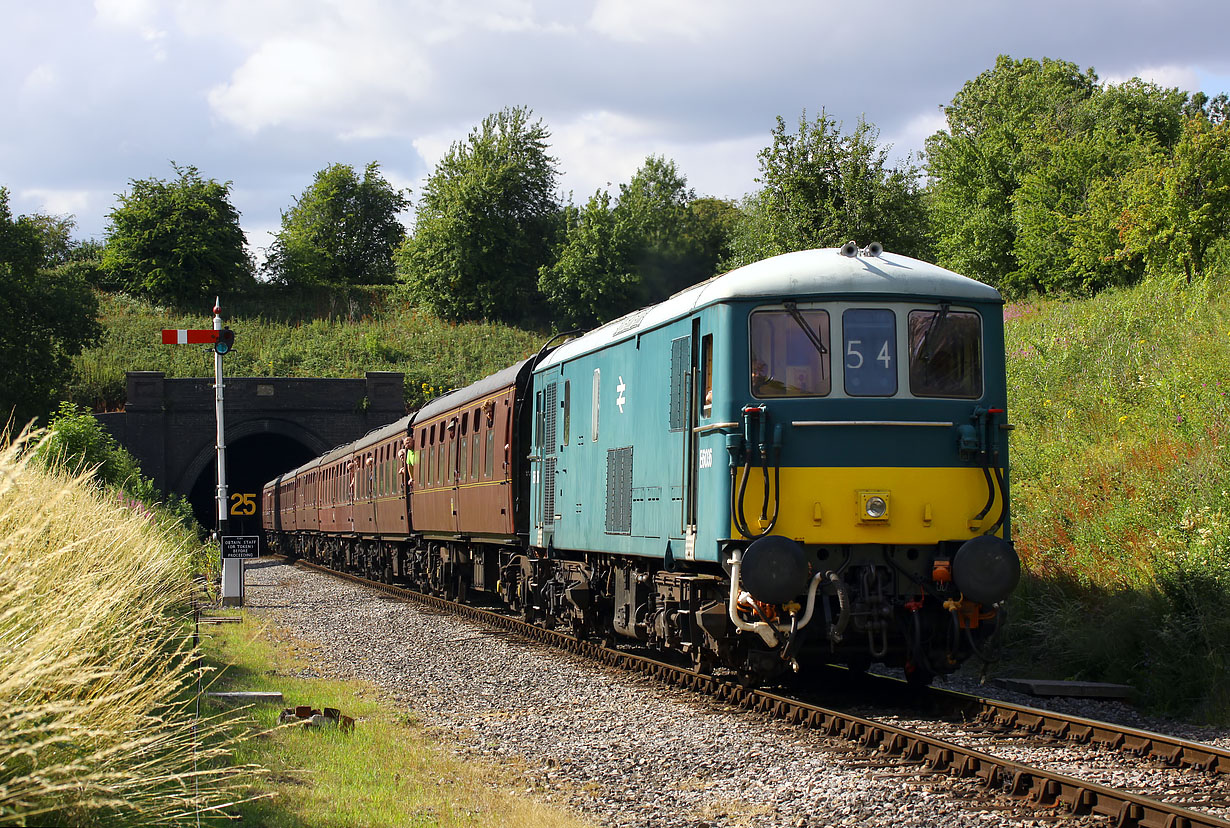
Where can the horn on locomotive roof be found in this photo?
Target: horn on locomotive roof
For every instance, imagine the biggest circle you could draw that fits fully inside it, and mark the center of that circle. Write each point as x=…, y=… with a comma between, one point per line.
x=874, y=249
x=850, y=249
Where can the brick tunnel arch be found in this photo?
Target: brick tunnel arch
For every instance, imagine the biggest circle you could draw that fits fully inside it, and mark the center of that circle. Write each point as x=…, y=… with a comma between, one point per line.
x=256, y=451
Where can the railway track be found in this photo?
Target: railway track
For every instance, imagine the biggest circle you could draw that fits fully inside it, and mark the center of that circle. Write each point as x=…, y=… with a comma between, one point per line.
x=1040, y=786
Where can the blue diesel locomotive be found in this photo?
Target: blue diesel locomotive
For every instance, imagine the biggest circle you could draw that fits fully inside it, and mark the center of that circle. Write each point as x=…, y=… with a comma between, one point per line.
x=804, y=459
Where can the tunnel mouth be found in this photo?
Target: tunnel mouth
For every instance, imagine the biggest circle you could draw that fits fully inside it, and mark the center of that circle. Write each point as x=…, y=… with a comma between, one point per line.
x=251, y=462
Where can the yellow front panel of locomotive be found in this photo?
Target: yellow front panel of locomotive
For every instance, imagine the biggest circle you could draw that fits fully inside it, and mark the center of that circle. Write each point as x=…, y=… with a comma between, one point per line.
x=829, y=505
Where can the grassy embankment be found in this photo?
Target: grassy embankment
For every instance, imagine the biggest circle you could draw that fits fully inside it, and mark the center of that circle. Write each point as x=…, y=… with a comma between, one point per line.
x=279, y=336
x=387, y=772
x=1120, y=480
x=97, y=667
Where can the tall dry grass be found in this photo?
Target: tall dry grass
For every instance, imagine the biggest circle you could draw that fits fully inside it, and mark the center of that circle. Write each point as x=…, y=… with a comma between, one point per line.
x=98, y=671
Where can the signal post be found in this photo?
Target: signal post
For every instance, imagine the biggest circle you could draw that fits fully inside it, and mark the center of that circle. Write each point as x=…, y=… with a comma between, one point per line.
x=222, y=339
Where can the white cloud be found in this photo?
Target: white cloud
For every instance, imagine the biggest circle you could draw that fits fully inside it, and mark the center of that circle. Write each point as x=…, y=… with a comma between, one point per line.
x=42, y=80
x=640, y=21
x=597, y=150
x=910, y=137
x=1167, y=76
x=331, y=84
x=601, y=150
x=140, y=16
x=59, y=202
x=127, y=14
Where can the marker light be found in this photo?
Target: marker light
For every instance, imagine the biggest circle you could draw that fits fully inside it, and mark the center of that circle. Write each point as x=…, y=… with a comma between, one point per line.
x=875, y=507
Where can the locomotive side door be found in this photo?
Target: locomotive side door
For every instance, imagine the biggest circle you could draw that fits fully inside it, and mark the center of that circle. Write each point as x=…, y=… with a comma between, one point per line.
x=685, y=373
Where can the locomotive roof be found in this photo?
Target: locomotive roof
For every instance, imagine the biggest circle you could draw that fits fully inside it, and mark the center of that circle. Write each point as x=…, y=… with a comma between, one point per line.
x=802, y=275
x=475, y=391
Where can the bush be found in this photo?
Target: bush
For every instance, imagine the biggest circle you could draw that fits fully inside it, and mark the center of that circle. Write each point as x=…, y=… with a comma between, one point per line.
x=77, y=442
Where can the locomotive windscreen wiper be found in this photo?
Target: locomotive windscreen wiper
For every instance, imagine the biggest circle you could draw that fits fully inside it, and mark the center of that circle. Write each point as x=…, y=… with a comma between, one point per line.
x=925, y=352
x=813, y=336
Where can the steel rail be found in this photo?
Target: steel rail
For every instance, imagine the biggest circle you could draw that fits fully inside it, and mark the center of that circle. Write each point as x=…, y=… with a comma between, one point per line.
x=1039, y=786
x=1171, y=750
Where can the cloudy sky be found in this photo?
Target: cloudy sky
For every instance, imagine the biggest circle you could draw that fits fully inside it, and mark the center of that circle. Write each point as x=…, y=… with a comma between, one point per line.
x=263, y=93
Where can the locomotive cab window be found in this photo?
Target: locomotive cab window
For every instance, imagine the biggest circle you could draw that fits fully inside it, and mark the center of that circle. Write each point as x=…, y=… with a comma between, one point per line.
x=869, y=349
x=706, y=376
x=789, y=353
x=945, y=353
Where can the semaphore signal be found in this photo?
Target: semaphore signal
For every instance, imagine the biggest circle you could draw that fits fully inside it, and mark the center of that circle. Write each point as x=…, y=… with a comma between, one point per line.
x=222, y=339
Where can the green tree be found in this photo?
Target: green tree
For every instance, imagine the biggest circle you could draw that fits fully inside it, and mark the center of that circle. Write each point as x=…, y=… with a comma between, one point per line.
x=46, y=317
x=655, y=240
x=993, y=140
x=486, y=222
x=821, y=188
x=1177, y=208
x=177, y=241
x=77, y=442
x=654, y=222
x=593, y=279
x=341, y=230
x=713, y=225
x=1064, y=215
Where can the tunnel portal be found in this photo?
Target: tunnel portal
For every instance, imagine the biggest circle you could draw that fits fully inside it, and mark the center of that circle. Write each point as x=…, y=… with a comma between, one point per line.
x=273, y=424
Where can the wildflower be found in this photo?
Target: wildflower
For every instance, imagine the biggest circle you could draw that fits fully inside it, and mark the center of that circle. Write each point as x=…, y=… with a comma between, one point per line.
x=1068, y=415
x=1046, y=404
x=1123, y=419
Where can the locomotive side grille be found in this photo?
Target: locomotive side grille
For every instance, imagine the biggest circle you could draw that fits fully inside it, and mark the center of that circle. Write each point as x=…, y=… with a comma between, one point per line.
x=550, y=410
x=680, y=353
x=548, y=491
x=619, y=491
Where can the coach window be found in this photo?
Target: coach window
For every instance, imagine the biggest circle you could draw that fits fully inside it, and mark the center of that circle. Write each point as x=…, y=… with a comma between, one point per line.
x=428, y=449
x=474, y=444
x=489, y=457
x=463, y=463
x=789, y=353
x=945, y=354
x=869, y=348
x=452, y=453
x=706, y=376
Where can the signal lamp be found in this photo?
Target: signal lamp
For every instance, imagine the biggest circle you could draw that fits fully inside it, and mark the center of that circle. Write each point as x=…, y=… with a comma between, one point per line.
x=226, y=341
